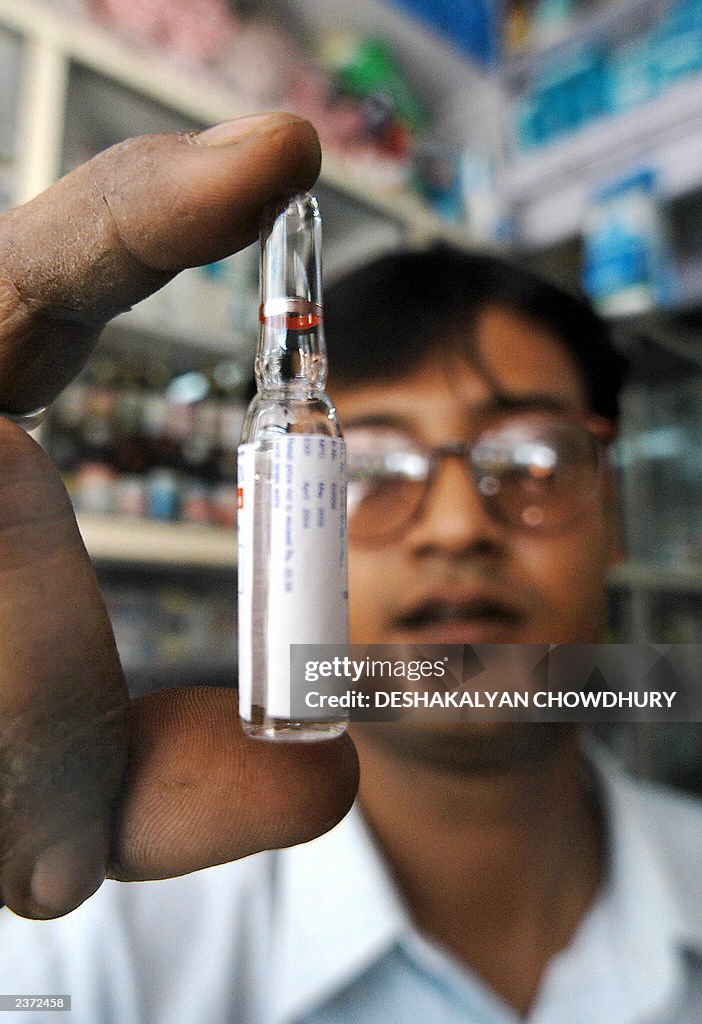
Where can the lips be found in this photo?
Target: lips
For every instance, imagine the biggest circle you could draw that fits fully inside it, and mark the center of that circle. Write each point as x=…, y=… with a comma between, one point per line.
x=466, y=619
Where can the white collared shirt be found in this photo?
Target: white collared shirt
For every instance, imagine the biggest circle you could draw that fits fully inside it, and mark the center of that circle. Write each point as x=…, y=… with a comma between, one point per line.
x=319, y=934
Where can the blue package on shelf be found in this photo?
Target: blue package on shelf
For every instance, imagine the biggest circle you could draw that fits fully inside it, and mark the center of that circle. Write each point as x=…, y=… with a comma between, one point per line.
x=626, y=268
x=470, y=26
x=632, y=75
x=552, y=20
x=676, y=42
x=565, y=97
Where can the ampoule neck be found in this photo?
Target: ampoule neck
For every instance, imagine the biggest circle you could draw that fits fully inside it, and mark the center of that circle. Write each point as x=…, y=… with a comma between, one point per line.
x=291, y=351
x=298, y=390
x=292, y=368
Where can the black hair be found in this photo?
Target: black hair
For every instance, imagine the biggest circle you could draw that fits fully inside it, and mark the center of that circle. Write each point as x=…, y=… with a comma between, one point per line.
x=384, y=318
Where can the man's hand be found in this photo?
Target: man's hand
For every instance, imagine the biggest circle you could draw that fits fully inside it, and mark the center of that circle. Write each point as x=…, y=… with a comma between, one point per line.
x=89, y=783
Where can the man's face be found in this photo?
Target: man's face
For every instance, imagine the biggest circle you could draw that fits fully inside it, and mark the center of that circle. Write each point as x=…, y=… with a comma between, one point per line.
x=458, y=575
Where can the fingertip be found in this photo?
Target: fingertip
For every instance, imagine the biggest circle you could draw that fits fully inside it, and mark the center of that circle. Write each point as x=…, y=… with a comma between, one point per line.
x=303, y=135
x=320, y=784
x=303, y=139
x=199, y=792
x=65, y=876
x=284, y=150
x=338, y=776
x=196, y=202
x=241, y=129
x=61, y=877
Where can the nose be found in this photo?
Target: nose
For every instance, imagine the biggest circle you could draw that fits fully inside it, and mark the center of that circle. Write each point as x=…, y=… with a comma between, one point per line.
x=454, y=518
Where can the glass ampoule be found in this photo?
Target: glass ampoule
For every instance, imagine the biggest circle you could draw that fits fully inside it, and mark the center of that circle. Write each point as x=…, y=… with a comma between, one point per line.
x=292, y=486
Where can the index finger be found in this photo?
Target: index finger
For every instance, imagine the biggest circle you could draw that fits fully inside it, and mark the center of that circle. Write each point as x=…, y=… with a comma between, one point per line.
x=163, y=786
x=120, y=226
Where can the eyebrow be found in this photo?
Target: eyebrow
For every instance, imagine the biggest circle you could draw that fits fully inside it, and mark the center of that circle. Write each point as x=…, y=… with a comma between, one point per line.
x=495, y=404
x=540, y=400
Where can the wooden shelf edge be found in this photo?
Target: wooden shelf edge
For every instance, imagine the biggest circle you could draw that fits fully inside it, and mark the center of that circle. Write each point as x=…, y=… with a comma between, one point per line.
x=142, y=542
x=145, y=542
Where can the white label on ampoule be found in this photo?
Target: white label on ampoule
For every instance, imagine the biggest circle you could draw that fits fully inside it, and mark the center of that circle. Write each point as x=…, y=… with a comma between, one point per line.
x=292, y=560
x=244, y=523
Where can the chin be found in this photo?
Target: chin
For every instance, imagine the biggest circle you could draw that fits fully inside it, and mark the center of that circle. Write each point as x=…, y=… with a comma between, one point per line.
x=481, y=748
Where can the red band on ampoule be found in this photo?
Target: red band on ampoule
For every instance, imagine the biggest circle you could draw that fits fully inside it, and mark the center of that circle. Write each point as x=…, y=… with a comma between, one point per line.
x=295, y=314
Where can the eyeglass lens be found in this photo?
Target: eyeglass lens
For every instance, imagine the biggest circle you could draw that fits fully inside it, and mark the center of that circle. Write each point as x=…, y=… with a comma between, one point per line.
x=535, y=472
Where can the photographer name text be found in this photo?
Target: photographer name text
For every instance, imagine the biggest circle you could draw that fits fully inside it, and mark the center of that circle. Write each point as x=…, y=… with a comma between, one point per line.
x=495, y=699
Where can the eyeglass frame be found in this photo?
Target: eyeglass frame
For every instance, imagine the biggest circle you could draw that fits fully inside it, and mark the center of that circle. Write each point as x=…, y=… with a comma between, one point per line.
x=602, y=432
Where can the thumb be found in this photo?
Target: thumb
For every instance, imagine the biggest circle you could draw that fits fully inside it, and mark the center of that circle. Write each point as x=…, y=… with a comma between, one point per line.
x=120, y=226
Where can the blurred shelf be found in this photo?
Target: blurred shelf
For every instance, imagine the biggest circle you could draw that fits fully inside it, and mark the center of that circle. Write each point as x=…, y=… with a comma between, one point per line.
x=403, y=207
x=143, y=678
x=139, y=69
x=549, y=187
x=142, y=542
x=151, y=334
x=651, y=577
x=203, y=99
x=112, y=539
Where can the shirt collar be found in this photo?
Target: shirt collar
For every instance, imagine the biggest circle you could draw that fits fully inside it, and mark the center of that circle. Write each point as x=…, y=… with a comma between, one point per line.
x=628, y=951
x=340, y=911
x=654, y=847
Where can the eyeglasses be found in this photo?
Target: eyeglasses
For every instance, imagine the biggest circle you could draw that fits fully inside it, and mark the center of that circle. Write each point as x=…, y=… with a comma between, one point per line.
x=535, y=471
